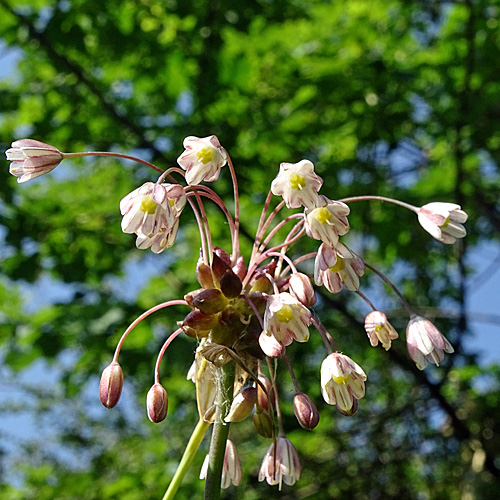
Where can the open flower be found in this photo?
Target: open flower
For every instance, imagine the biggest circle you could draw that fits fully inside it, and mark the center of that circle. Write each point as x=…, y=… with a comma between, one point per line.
x=327, y=220
x=378, y=328
x=32, y=158
x=231, y=468
x=342, y=381
x=337, y=265
x=286, y=319
x=425, y=342
x=202, y=159
x=443, y=221
x=282, y=466
x=298, y=184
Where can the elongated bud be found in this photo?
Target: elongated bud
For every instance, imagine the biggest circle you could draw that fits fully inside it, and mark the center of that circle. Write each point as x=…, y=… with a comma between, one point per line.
x=305, y=411
x=157, y=403
x=262, y=398
x=219, y=266
x=204, y=275
x=110, y=388
x=230, y=284
x=301, y=288
x=198, y=320
x=240, y=269
x=210, y=301
x=242, y=405
x=263, y=422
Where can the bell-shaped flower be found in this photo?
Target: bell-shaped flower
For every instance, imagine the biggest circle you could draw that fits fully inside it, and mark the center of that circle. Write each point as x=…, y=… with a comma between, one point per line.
x=425, y=342
x=286, y=319
x=202, y=159
x=443, y=221
x=147, y=210
x=342, y=381
x=32, y=158
x=378, y=328
x=231, y=467
x=327, y=221
x=298, y=184
x=337, y=265
x=282, y=466
x=157, y=241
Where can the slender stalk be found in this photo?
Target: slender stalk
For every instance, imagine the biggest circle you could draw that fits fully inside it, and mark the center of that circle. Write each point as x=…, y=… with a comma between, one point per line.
x=220, y=432
x=236, y=239
x=162, y=352
x=116, y=155
x=380, y=198
x=189, y=453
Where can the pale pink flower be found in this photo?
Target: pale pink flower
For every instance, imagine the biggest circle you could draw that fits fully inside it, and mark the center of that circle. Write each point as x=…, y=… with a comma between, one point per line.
x=286, y=319
x=342, y=381
x=270, y=346
x=425, y=342
x=231, y=468
x=202, y=159
x=327, y=221
x=443, y=221
x=298, y=184
x=32, y=158
x=157, y=241
x=301, y=288
x=378, y=328
x=282, y=466
x=337, y=265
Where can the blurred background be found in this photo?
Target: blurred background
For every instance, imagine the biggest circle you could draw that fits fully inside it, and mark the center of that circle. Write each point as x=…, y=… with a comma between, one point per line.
x=395, y=98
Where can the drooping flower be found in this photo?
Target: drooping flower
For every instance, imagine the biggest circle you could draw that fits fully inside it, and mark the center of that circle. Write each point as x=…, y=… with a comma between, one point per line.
x=231, y=468
x=32, y=158
x=286, y=319
x=327, y=221
x=202, y=159
x=342, y=381
x=158, y=241
x=425, y=342
x=147, y=210
x=337, y=265
x=443, y=221
x=378, y=328
x=301, y=288
x=282, y=466
x=298, y=184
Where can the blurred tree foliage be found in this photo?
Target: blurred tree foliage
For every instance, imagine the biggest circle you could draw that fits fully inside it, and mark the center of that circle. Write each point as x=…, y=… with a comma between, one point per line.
x=388, y=97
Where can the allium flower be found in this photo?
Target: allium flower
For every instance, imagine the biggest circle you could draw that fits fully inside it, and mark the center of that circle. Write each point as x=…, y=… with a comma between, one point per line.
x=378, y=328
x=425, y=342
x=327, y=220
x=157, y=241
x=282, y=466
x=342, y=381
x=147, y=210
x=337, y=265
x=286, y=319
x=202, y=159
x=231, y=468
x=298, y=184
x=32, y=158
x=443, y=221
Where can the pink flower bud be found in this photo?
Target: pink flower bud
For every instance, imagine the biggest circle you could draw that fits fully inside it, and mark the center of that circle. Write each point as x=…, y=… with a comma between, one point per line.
x=199, y=321
x=242, y=405
x=239, y=268
x=111, y=385
x=305, y=411
x=219, y=266
x=157, y=403
x=262, y=398
x=230, y=284
x=204, y=275
x=301, y=288
x=210, y=301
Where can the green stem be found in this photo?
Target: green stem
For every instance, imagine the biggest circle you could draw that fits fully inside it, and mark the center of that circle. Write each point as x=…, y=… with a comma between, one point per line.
x=189, y=453
x=220, y=432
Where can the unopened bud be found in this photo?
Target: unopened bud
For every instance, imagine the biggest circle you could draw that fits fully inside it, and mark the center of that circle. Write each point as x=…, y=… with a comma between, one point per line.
x=198, y=320
x=240, y=269
x=301, y=288
x=157, y=403
x=263, y=422
x=230, y=284
x=204, y=275
x=210, y=301
x=219, y=266
x=305, y=411
x=190, y=296
x=262, y=397
x=242, y=405
x=110, y=388
x=352, y=411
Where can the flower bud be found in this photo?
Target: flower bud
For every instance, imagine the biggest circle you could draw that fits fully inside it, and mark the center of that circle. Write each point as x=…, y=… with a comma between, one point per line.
x=239, y=268
x=204, y=275
x=263, y=422
x=262, y=398
x=199, y=321
x=210, y=301
x=157, y=403
x=111, y=385
x=230, y=284
x=219, y=266
x=305, y=411
x=301, y=288
x=242, y=405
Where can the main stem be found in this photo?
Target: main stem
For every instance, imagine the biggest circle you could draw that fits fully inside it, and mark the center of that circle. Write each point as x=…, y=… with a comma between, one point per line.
x=225, y=383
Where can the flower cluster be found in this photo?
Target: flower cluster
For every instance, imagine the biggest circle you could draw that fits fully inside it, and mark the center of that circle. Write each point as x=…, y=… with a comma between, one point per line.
x=248, y=310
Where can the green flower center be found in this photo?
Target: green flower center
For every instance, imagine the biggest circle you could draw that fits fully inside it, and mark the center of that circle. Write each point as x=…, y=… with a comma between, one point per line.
x=322, y=215
x=206, y=155
x=297, y=181
x=445, y=224
x=285, y=314
x=342, y=379
x=148, y=205
x=338, y=266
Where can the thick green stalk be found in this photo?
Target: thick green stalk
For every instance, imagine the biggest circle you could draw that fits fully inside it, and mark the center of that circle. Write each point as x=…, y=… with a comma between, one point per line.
x=225, y=385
